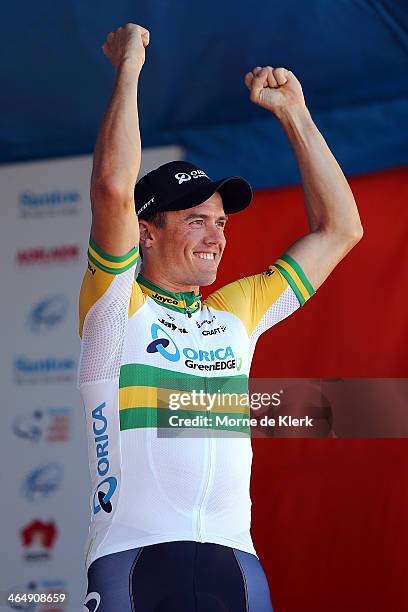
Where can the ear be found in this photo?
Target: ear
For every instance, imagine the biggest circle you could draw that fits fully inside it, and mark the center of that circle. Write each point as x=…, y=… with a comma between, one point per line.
x=146, y=236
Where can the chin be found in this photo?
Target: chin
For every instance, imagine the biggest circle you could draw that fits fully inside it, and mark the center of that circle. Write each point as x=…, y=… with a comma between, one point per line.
x=206, y=279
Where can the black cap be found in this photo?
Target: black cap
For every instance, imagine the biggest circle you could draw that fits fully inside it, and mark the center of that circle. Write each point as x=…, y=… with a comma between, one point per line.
x=178, y=185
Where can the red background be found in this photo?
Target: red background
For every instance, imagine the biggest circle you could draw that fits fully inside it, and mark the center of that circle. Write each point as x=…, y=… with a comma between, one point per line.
x=330, y=515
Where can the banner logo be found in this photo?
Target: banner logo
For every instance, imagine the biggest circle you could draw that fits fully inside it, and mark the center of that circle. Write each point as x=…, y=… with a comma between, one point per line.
x=47, y=314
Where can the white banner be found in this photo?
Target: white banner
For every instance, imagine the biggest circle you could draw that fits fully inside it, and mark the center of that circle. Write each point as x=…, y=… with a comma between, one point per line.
x=44, y=476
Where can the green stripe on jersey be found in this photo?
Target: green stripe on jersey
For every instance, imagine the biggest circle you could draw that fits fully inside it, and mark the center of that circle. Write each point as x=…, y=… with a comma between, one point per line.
x=299, y=272
x=135, y=374
x=113, y=258
x=291, y=282
x=101, y=266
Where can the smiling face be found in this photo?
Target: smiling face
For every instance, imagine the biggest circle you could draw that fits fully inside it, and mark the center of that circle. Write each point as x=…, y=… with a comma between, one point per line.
x=187, y=250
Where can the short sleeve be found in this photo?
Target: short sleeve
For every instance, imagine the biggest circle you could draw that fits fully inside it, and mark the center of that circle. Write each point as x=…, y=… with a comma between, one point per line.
x=108, y=296
x=262, y=300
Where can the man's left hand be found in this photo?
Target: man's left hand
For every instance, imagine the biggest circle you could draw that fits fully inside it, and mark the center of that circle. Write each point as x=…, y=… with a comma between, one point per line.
x=276, y=89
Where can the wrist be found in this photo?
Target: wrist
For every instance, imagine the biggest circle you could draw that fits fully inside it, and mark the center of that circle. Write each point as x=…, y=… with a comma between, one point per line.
x=130, y=64
x=295, y=115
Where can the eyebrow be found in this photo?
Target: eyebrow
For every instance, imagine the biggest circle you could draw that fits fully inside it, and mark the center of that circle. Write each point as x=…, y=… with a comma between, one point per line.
x=203, y=216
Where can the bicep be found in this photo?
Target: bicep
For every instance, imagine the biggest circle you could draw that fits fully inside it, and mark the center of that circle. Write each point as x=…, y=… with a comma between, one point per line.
x=318, y=253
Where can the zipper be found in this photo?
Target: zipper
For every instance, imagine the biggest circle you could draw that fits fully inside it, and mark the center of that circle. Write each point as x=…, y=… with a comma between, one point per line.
x=209, y=459
x=210, y=462
x=188, y=313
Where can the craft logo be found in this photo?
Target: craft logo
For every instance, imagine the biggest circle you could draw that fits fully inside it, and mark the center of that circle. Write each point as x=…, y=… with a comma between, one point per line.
x=217, y=330
x=49, y=203
x=269, y=272
x=182, y=177
x=222, y=358
x=107, y=486
x=91, y=269
x=48, y=255
x=42, y=482
x=47, y=370
x=38, y=539
x=48, y=425
x=47, y=314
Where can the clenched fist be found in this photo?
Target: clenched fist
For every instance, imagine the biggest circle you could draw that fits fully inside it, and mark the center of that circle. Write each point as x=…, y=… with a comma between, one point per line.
x=275, y=89
x=128, y=42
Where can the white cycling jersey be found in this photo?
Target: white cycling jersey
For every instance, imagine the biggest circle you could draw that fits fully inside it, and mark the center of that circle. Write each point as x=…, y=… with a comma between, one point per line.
x=157, y=477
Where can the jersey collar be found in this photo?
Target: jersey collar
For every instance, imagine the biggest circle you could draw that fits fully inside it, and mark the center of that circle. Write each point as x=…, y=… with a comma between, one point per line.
x=184, y=301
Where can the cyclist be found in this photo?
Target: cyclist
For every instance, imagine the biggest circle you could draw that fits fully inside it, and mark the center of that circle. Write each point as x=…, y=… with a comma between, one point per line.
x=170, y=509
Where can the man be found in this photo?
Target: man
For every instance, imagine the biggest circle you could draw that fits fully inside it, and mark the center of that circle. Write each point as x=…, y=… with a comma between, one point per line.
x=170, y=510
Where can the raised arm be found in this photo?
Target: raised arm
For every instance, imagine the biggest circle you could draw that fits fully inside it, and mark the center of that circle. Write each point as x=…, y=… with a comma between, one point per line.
x=117, y=153
x=332, y=212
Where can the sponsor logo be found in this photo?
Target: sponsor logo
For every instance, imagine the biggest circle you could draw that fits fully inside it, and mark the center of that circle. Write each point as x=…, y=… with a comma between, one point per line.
x=47, y=314
x=92, y=602
x=205, y=322
x=173, y=326
x=49, y=203
x=159, y=345
x=38, y=538
x=269, y=272
x=165, y=300
x=106, y=487
x=216, y=330
x=42, y=482
x=50, y=425
x=182, y=177
x=142, y=208
x=216, y=359
x=91, y=269
x=47, y=255
x=50, y=369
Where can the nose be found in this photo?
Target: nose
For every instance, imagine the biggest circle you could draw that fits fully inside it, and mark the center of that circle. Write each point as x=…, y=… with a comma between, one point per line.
x=214, y=235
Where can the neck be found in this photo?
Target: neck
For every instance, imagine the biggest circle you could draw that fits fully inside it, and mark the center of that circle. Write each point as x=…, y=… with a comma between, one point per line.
x=158, y=278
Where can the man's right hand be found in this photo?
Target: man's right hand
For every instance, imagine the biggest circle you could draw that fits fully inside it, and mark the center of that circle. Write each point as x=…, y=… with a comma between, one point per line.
x=127, y=42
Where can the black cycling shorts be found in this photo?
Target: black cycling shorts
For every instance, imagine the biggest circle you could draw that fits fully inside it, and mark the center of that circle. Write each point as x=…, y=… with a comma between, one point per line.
x=178, y=577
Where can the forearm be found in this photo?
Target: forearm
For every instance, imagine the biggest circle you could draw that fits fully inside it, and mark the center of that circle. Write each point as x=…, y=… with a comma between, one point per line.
x=117, y=152
x=329, y=200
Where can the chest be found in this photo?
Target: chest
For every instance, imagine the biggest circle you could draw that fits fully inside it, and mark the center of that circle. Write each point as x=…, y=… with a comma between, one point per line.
x=209, y=343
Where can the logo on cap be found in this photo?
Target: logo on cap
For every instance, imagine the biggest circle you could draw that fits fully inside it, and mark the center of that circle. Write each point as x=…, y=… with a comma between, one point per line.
x=184, y=176
x=145, y=205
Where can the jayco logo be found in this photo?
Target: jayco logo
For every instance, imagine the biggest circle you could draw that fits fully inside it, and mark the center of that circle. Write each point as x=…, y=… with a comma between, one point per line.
x=165, y=300
x=182, y=177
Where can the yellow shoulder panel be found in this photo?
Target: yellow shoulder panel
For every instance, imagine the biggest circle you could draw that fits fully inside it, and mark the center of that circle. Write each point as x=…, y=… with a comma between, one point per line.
x=137, y=298
x=249, y=298
x=94, y=285
x=102, y=269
